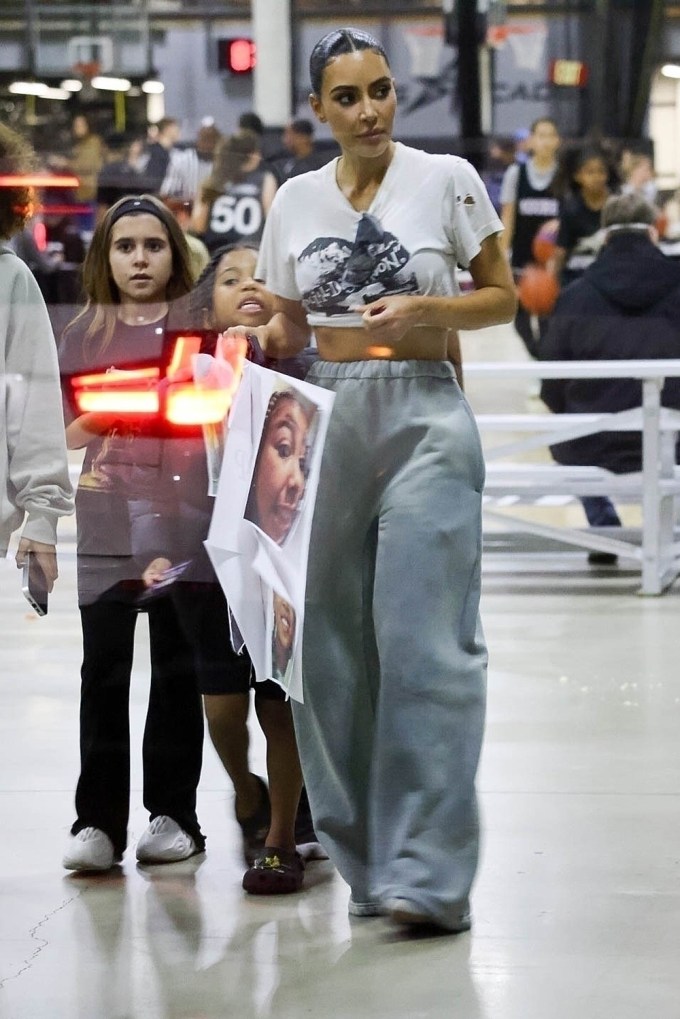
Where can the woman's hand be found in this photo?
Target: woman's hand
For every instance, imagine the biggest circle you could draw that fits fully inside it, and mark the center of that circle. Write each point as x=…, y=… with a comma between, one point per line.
x=46, y=556
x=389, y=318
x=493, y=301
x=88, y=427
x=155, y=570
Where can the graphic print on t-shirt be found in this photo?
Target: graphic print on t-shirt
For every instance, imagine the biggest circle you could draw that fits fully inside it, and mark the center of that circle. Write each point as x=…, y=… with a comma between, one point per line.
x=343, y=273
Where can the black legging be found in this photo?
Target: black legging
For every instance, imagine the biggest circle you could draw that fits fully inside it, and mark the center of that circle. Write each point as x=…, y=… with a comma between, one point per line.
x=173, y=735
x=524, y=326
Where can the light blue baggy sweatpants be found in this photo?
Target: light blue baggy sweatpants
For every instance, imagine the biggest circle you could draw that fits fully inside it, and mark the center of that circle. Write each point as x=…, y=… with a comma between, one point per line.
x=394, y=661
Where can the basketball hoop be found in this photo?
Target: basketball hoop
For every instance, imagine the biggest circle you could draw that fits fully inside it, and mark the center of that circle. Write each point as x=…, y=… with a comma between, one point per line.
x=90, y=55
x=526, y=39
x=497, y=36
x=87, y=69
x=425, y=45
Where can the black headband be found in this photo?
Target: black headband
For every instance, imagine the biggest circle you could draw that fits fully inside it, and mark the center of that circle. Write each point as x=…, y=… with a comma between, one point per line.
x=135, y=206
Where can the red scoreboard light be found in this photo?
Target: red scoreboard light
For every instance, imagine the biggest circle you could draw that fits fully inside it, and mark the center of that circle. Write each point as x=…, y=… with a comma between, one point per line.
x=236, y=55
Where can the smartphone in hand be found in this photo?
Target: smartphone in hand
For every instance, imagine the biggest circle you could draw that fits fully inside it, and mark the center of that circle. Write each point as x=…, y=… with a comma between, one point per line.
x=162, y=586
x=34, y=584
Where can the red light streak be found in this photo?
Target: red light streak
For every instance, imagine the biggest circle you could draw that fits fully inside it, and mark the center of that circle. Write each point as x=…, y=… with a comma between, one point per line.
x=38, y=180
x=130, y=401
x=187, y=405
x=116, y=378
x=40, y=236
x=185, y=348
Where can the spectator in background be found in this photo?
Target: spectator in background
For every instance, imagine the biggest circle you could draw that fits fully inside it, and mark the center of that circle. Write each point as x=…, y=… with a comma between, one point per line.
x=190, y=166
x=199, y=256
x=298, y=140
x=54, y=245
x=237, y=196
x=251, y=122
x=167, y=136
x=208, y=138
x=502, y=154
x=120, y=176
x=528, y=200
x=269, y=139
x=34, y=484
x=87, y=158
x=670, y=218
x=638, y=175
x=625, y=306
x=579, y=236
x=66, y=223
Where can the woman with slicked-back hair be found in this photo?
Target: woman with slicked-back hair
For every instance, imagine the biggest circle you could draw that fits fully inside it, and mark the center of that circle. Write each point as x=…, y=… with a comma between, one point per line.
x=365, y=251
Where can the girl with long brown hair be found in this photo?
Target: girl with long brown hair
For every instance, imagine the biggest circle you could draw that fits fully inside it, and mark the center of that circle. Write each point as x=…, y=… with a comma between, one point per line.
x=135, y=273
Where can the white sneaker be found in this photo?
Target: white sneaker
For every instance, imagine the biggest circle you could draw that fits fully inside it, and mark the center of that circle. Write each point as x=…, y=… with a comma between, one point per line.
x=165, y=842
x=364, y=908
x=405, y=913
x=90, y=849
x=311, y=851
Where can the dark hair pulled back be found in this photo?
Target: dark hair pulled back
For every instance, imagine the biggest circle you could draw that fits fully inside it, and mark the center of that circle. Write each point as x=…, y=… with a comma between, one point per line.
x=334, y=44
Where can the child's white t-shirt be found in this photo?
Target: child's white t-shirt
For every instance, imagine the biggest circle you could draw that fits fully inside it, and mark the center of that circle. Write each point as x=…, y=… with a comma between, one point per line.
x=430, y=214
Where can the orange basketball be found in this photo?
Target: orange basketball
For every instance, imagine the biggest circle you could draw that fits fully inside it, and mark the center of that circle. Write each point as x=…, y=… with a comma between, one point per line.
x=545, y=241
x=537, y=290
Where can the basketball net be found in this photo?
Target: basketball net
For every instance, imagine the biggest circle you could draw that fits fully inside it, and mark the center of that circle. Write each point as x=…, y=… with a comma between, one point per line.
x=425, y=45
x=526, y=40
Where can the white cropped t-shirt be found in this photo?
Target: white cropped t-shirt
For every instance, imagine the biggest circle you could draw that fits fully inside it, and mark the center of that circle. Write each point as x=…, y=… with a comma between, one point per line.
x=430, y=214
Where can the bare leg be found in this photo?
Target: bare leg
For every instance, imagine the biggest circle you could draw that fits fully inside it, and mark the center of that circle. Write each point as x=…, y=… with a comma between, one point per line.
x=283, y=769
x=227, y=716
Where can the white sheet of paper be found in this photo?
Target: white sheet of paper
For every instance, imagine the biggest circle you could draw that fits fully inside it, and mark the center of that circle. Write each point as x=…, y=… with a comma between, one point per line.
x=250, y=564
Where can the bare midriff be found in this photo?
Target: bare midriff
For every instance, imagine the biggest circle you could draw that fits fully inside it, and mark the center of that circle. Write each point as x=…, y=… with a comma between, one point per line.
x=357, y=344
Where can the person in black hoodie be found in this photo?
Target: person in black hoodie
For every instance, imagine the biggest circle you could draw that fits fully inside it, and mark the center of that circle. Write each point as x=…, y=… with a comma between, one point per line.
x=625, y=306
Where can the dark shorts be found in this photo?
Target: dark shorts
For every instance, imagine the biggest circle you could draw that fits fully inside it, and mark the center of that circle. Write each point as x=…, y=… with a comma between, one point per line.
x=204, y=616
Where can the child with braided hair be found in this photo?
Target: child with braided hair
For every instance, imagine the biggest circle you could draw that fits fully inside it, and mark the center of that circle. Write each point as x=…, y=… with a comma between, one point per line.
x=272, y=820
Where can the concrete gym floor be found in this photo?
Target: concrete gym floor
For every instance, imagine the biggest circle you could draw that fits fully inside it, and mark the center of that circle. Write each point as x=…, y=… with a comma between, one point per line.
x=577, y=903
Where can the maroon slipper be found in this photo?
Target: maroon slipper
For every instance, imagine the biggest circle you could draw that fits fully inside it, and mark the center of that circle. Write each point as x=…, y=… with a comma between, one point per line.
x=275, y=872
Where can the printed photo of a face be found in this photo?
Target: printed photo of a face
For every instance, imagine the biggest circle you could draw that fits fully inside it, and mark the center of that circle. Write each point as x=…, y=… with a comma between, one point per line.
x=279, y=478
x=283, y=636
